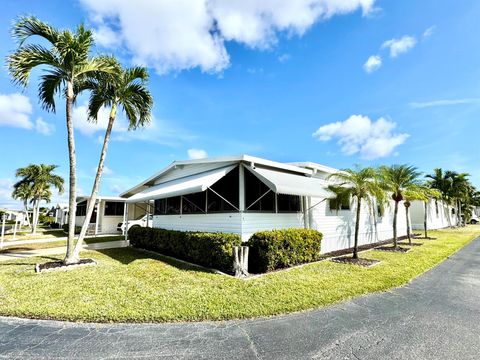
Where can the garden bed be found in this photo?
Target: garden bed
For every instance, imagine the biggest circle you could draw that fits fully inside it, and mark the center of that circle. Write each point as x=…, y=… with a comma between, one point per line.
x=359, y=261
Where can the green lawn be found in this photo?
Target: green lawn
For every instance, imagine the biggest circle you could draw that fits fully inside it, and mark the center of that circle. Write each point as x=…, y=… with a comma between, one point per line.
x=25, y=234
x=47, y=245
x=135, y=286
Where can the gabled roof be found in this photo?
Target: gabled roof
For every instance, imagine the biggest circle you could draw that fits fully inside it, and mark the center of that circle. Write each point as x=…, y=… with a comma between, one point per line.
x=225, y=159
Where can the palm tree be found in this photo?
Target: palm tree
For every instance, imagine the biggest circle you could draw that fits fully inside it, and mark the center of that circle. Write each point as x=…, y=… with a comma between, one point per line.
x=126, y=89
x=423, y=193
x=396, y=179
x=39, y=178
x=67, y=64
x=24, y=193
x=460, y=186
x=359, y=183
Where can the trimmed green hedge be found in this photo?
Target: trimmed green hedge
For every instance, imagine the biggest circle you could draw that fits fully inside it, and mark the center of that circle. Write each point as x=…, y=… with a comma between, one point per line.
x=277, y=249
x=213, y=250
x=77, y=229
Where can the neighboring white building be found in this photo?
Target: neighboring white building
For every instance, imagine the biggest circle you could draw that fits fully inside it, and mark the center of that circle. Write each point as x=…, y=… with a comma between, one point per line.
x=16, y=215
x=109, y=212
x=439, y=215
x=61, y=214
x=245, y=194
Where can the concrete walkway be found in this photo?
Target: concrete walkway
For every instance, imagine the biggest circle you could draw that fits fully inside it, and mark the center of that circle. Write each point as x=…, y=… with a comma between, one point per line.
x=60, y=250
x=436, y=316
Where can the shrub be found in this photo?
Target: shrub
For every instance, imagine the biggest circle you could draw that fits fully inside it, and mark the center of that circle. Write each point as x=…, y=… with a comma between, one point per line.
x=55, y=225
x=213, y=250
x=277, y=249
x=77, y=229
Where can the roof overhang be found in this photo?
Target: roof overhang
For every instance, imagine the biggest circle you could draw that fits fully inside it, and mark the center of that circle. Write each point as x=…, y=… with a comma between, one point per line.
x=183, y=186
x=292, y=184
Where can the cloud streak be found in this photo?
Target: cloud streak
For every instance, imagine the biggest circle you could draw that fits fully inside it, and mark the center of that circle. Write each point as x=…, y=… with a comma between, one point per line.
x=444, y=102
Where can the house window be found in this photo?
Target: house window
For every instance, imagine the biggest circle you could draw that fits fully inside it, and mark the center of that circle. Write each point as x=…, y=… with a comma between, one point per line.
x=380, y=210
x=339, y=204
x=194, y=203
x=168, y=206
x=82, y=208
x=227, y=188
x=113, y=208
x=436, y=207
x=288, y=203
x=258, y=196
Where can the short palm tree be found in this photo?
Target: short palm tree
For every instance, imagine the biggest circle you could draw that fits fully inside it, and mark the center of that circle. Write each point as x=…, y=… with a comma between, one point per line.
x=418, y=192
x=359, y=184
x=396, y=179
x=67, y=63
x=40, y=179
x=24, y=193
x=125, y=89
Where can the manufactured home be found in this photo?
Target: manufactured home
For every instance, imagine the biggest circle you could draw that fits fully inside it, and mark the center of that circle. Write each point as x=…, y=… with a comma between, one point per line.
x=439, y=214
x=245, y=194
x=60, y=213
x=109, y=213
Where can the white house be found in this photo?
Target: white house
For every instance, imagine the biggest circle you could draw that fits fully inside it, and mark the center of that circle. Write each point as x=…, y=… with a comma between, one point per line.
x=16, y=215
x=439, y=215
x=245, y=194
x=109, y=212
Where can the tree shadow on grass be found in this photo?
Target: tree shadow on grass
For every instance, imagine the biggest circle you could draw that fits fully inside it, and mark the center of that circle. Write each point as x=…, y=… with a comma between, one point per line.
x=15, y=261
x=127, y=256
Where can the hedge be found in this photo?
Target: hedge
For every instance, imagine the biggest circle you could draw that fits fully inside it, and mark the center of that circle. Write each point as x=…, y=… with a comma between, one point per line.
x=213, y=250
x=277, y=249
x=77, y=229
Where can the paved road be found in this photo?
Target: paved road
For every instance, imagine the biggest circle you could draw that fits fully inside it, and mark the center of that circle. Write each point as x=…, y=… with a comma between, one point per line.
x=437, y=316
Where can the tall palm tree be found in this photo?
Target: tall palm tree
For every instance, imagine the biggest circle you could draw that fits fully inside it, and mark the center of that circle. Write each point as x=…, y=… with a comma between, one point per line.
x=396, y=179
x=66, y=63
x=360, y=184
x=40, y=179
x=460, y=186
x=126, y=89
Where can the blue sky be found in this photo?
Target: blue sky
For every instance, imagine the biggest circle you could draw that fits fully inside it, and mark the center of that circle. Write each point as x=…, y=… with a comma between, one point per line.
x=338, y=83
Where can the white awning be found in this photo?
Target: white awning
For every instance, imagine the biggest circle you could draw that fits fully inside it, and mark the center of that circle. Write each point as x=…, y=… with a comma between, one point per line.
x=186, y=185
x=291, y=184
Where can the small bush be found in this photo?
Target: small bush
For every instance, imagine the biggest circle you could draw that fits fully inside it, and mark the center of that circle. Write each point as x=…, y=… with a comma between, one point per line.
x=55, y=225
x=277, y=249
x=213, y=250
x=77, y=229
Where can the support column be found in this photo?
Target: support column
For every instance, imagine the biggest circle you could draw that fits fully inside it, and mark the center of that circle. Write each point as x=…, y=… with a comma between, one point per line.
x=148, y=211
x=126, y=222
x=124, y=218
x=96, y=216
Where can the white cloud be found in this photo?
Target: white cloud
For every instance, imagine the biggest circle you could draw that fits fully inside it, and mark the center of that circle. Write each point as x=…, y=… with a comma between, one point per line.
x=106, y=37
x=197, y=154
x=360, y=135
x=429, y=32
x=400, y=46
x=444, y=102
x=15, y=111
x=183, y=34
x=44, y=127
x=372, y=64
x=284, y=57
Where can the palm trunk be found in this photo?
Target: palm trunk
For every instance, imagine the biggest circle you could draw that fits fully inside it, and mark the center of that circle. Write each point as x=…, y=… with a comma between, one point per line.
x=395, y=213
x=36, y=217
x=459, y=216
x=25, y=205
x=33, y=217
x=72, y=205
x=96, y=183
x=409, y=235
x=448, y=213
x=357, y=227
x=425, y=219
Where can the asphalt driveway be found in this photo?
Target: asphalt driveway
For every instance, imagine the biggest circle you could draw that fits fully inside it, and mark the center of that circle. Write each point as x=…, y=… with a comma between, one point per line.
x=437, y=316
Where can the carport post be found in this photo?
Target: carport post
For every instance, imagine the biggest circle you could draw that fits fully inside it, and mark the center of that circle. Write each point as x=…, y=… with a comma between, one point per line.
x=125, y=228
x=15, y=231
x=4, y=217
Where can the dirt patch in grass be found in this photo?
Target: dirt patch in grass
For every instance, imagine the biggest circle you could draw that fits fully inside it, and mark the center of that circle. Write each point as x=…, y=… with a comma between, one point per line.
x=352, y=261
x=406, y=243
x=393, y=249
x=60, y=265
